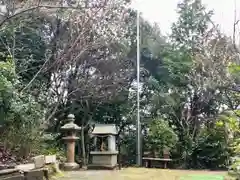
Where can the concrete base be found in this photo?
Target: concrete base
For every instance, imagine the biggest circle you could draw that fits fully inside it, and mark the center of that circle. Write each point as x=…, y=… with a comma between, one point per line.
x=103, y=160
x=102, y=167
x=70, y=166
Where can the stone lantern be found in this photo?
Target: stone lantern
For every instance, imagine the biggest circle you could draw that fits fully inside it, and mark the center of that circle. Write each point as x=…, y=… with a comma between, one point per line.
x=70, y=136
x=104, y=155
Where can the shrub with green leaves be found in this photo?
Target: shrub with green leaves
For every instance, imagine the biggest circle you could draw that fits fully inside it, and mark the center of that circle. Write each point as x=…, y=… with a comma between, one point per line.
x=161, y=136
x=234, y=168
x=211, y=150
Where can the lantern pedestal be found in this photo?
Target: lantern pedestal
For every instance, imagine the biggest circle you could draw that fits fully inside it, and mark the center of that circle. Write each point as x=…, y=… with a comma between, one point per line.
x=70, y=128
x=70, y=166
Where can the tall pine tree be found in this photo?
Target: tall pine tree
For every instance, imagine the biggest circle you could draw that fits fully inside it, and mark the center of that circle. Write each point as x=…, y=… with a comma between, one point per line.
x=191, y=26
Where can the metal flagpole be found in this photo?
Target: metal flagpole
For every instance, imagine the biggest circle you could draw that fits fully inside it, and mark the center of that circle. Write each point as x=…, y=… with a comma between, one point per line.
x=138, y=92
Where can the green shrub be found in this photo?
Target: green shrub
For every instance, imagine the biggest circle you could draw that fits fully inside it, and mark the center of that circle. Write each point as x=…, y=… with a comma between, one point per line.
x=234, y=168
x=212, y=149
x=160, y=136
x=52, y=149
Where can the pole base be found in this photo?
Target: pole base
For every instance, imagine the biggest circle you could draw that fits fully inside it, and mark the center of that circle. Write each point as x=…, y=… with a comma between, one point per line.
x=70, y=166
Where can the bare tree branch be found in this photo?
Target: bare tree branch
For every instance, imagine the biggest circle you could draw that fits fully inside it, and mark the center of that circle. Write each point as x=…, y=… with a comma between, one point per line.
x=39, y=6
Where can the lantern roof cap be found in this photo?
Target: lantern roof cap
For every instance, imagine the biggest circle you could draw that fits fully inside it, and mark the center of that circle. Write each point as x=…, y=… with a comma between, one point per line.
x=70, y=125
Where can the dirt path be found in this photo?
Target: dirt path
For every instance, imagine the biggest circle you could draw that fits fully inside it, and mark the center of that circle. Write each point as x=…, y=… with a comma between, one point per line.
x=90, y=175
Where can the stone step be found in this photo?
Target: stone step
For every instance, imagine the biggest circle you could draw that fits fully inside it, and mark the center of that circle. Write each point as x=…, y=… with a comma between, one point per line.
x=25, y=167
x=18, y=177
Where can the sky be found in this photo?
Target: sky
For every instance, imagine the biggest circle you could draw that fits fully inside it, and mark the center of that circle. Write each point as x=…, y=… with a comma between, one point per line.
x=163, y=12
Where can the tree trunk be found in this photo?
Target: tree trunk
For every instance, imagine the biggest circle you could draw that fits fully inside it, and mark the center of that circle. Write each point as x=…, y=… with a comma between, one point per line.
x=119, y=159
x=83, y=146
x=87, y=153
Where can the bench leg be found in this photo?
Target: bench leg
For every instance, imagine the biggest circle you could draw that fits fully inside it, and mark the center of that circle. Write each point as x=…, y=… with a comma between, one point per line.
x=146, y=164
x=149, y=164
x=165, y=165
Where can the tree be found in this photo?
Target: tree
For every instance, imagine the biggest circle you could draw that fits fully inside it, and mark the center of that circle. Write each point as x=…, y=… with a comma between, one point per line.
x=20, y=114
x=192, y=26
x=189, y=96
x=80, y=47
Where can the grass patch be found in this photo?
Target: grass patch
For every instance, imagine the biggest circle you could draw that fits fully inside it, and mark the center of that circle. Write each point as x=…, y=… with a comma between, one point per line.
x=54, y=172
x=202, y=177
x=165, y=174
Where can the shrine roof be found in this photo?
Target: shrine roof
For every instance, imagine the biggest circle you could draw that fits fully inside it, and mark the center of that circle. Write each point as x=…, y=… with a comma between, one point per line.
x=105, y=129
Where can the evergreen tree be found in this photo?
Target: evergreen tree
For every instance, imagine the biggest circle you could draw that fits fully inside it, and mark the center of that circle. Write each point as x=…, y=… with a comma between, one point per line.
x=192, y=25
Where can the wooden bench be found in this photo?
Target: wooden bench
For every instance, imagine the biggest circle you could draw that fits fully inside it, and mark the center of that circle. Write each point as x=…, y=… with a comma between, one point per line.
x=148, y=161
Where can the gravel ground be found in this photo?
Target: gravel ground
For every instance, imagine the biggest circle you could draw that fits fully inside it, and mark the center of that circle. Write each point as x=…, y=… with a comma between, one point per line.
x=138, y=174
